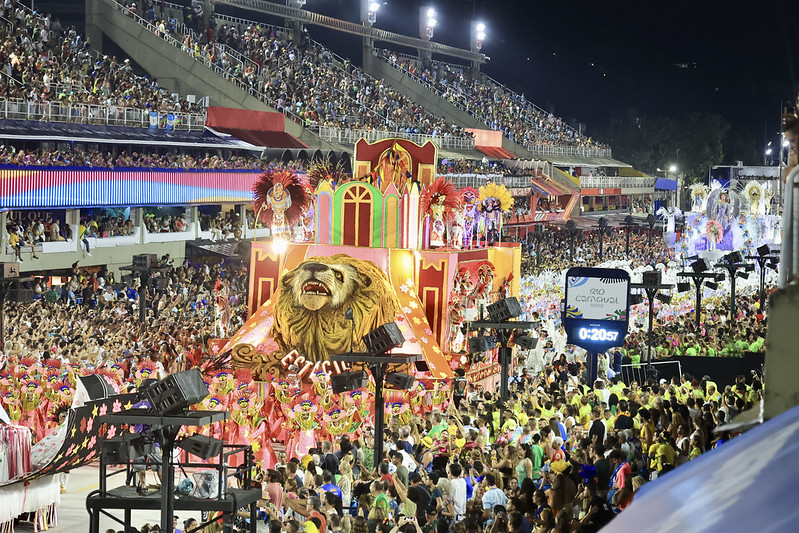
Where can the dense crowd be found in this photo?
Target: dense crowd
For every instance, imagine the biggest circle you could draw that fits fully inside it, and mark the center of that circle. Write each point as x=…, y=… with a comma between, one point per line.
x=675, y=334
x=305, y=80
x=44, y=61
x=10, y=155
x=93, y=319
x=560, y=455
x=498, y=107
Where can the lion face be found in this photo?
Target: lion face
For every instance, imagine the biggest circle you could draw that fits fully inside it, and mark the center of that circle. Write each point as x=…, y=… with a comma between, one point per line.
x=310, y=312
x=315, y=285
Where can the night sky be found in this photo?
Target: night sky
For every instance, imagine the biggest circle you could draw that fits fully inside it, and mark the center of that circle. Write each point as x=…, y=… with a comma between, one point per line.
x=590, y=60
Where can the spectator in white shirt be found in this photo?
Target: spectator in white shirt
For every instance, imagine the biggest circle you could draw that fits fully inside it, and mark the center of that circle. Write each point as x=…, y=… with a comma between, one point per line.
x=458, y=490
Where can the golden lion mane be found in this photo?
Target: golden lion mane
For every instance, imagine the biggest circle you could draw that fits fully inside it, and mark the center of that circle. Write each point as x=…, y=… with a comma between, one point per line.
x=310, y=311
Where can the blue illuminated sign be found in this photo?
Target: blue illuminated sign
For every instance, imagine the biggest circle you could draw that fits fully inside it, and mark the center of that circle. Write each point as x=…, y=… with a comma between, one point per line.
x=597, y=306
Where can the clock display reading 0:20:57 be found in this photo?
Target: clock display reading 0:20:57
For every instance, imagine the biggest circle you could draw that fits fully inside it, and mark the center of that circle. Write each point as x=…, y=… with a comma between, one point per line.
x=597, y=334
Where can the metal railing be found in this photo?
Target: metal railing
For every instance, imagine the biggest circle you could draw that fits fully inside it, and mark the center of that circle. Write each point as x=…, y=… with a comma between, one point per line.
x=101, y=115
x=550, y=149
x=608, y=182
x=351, y=136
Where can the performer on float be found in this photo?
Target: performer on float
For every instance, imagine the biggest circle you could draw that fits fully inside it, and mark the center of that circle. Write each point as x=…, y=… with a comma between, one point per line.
x=439, y=200
x=280, y=199
x=699, y=194
x=754, y=192
x=470, y=214
x=301, y=426
x=723, y=206
x=494, y=201
x=456, y=229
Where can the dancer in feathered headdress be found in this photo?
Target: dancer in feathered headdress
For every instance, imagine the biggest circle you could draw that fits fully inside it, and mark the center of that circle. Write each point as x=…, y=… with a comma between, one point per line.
x=753, y=193
x=493, y=202
x=440, y=200
x=280, y=200
x=699, y=194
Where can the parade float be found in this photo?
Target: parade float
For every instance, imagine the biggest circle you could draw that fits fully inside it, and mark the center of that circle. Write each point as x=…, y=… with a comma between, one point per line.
x=725, y=219
x=392, y=243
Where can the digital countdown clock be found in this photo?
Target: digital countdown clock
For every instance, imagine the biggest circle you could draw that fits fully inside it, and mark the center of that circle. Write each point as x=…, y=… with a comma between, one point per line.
x=597, y=305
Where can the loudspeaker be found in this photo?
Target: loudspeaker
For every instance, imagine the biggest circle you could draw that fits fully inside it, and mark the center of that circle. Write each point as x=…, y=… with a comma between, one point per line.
x=400, y=380
x=123, y=450
x=97, y=387
x=526, y=341
x=651, y=278
x=504, y=309
x=144, y=261
x=177, y=391
x=10, y=269
x=478, y=344
x=202, y=446
x=347, y=381
x=20, y=295
x=383, y=338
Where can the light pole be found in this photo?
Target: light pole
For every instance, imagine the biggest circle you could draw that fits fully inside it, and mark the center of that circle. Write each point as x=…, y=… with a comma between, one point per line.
x=735, y=268
x=428, y=21
x=765, y=258
x=369, y=9
x=602, y=227
x=500, y=314
x=651, y=285
x=571, y=231
x=651, y=221
x=378, y=342
x=700, y=276
x=628, y=225
x=478, y=35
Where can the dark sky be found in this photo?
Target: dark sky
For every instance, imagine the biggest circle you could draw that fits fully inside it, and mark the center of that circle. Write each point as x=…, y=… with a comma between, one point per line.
x=588, y=60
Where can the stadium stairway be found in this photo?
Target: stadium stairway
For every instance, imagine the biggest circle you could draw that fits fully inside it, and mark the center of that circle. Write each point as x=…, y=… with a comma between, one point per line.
x=432, y=102
x=177, y=70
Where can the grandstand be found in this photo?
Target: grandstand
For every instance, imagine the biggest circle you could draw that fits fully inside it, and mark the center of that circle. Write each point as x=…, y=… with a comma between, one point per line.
x=211, y=99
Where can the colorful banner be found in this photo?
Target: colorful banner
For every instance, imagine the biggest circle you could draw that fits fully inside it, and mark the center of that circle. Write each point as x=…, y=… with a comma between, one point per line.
x=46, y=187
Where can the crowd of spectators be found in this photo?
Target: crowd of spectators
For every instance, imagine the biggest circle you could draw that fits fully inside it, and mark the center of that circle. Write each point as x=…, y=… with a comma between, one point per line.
x=10, y=155
x=719, y=333
x=305, y=80
x=93, y=318
x=43, y=61
x=499, y=108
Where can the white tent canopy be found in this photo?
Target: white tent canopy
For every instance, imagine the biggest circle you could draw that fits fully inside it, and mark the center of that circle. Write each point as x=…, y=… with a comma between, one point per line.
x=747, y=484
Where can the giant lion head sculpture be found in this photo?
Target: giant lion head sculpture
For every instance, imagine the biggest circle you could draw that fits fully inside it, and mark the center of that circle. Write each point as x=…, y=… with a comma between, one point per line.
x=310, y=311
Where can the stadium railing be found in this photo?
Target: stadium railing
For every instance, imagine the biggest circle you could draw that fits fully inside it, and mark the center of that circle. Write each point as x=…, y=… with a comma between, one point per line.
x=100, y=115
x=351, y=136
x=607, y=182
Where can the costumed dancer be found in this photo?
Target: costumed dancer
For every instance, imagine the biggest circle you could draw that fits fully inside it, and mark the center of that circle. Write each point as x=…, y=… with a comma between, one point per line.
x=301, y=426
x=280, y=200
x=699, y=194
x=494, y=201
x=470, y=215
x=440, y=199
x=723, y=206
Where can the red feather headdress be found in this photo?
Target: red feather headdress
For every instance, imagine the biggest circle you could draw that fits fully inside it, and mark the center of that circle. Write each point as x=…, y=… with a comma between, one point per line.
x=300, y=197
x=441, y=187
x=470, y=195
